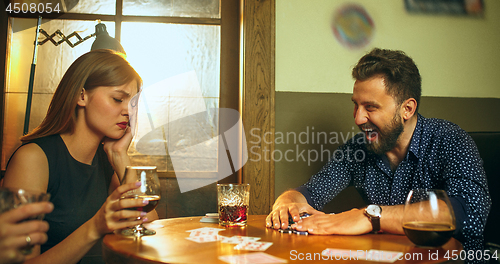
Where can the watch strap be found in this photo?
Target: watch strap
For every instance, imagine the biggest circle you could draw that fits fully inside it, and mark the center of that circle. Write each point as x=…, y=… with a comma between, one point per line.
x=375, y=224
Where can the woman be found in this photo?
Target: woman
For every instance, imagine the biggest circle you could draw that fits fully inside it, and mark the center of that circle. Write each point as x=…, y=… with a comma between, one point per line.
x=78, y=153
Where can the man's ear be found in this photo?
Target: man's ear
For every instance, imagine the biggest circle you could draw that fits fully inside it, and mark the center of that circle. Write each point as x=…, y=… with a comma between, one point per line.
x=82, y=98
x=409, y=107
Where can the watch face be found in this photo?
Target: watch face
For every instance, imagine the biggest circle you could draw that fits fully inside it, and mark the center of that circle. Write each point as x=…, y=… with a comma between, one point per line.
x=374, y=210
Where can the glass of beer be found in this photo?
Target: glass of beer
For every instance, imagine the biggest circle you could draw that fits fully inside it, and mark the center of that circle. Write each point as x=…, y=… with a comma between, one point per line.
x=11, y=198
x=233, y=201
x=149, y=190
x=428, y=218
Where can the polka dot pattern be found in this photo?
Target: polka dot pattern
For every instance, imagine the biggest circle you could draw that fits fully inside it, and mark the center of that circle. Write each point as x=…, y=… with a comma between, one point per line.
x=441, y=156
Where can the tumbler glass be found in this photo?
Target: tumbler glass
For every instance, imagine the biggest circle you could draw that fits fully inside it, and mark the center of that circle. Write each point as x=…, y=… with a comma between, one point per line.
x=233, y=202
x=11, y=198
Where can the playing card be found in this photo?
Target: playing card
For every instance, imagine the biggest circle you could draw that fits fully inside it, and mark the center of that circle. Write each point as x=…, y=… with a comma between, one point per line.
x=204, y=233
x=381, y=256
x=203, y=239
x=343, y=254
x=339, y=252
x=370, y=255
x=205, y=229
x=238, y=239
x=253, y=245
x=251, y=258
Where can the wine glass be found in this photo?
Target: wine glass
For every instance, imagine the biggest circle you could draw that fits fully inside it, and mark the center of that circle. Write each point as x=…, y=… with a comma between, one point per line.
x=149, y=190
x=11, y=198
x=428, y=218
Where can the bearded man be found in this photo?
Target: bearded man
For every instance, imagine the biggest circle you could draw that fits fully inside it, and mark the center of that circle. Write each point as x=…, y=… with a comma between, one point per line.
x=400, y=150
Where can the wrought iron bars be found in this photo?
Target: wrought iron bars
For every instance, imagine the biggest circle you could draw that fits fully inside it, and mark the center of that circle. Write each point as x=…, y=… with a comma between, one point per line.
x=63, y=38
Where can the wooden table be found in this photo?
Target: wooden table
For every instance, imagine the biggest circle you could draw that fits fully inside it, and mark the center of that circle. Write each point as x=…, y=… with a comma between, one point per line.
x=170, y=245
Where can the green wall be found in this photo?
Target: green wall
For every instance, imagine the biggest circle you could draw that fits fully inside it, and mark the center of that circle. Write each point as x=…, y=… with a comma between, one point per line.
x=458, y=58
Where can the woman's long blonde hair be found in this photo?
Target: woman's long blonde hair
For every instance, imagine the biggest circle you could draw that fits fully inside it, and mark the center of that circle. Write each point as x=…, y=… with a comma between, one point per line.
x=96, y=68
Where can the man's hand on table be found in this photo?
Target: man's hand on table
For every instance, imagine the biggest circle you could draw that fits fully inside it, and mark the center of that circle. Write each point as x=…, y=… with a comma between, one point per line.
x=352, y=222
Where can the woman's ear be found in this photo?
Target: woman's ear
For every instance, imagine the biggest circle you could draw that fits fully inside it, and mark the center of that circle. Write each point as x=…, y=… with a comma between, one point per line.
x=82, y=98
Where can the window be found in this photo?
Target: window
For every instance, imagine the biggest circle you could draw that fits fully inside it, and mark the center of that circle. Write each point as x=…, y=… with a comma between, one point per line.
x=164, y=40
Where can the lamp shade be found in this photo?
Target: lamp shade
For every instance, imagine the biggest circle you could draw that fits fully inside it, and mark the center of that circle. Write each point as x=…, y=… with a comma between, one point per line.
x=104, y=41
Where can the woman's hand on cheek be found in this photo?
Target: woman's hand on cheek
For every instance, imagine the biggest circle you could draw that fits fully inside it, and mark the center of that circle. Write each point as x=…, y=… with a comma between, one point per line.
x=116, y=150
x=112, y=146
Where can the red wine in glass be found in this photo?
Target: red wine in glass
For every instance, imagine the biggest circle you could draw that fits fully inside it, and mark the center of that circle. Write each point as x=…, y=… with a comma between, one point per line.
x=152, y=199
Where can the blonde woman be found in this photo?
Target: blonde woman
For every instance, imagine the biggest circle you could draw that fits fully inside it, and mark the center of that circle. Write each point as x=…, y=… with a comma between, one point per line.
x=78, y=153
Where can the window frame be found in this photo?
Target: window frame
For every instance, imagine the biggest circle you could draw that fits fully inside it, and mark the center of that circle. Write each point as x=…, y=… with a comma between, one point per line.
x=229, y=90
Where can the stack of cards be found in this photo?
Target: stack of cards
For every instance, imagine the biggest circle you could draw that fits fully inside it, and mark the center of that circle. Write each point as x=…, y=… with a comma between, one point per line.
x=210, y=218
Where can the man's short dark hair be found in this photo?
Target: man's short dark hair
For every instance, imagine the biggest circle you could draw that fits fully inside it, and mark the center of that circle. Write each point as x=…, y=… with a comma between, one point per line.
x=401, y=76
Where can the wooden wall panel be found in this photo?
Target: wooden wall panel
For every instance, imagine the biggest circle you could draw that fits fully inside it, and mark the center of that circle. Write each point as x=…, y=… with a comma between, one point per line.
x=258, y=100
x=4, y=39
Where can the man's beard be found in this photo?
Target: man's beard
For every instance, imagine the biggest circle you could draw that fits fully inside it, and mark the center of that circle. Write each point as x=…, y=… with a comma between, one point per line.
x=386, y=139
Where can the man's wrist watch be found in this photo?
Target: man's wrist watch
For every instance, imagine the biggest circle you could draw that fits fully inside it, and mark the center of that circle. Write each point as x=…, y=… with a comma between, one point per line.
x=374, y=212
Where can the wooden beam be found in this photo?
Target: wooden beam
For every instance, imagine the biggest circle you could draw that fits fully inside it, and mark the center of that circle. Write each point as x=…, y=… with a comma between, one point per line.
x=230, y=71
x=123, y=18
x=4, y=60
x=258, y=101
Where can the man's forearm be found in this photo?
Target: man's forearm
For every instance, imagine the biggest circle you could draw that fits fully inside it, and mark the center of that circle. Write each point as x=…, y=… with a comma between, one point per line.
x=392, y=218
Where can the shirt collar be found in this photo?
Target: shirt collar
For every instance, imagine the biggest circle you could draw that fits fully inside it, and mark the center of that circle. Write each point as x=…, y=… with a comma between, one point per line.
x=415, y=139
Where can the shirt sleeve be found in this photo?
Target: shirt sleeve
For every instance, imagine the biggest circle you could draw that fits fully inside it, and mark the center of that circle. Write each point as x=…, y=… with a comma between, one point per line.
x=334, y=177
x=304, y=191
x=465, y=180
x=458, y=205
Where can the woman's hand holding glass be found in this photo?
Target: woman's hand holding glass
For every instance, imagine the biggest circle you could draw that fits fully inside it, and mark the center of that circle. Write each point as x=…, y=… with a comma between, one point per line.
x=112, y=217
x=149, y=191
